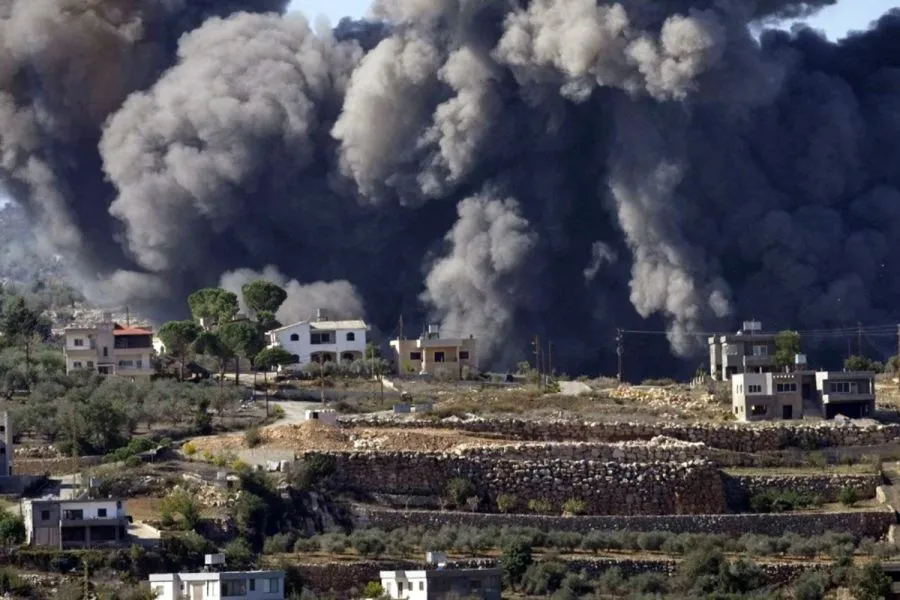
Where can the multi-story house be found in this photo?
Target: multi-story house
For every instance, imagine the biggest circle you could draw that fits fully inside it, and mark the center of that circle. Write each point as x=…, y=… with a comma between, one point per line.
x=750, y=350
x=109, y=348
x=821, y=394
x=442, y=584
x=72, y=524
x=321, y=340
x=218, y=584
x=434, y=355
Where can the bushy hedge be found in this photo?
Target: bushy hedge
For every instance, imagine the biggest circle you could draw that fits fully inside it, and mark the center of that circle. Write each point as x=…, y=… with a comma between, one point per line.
x=479, y=540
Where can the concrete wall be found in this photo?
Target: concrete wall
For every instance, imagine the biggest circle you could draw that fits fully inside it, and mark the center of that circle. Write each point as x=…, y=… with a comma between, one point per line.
x=607, y=487
x=872, y=523
x=736, y=437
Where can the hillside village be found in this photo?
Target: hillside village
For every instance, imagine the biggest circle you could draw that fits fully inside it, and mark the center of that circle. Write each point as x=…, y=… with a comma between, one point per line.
x=231, y=455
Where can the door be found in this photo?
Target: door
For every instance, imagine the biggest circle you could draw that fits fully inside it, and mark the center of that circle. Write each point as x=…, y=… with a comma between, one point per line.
x=787, y=412
x=197, y=591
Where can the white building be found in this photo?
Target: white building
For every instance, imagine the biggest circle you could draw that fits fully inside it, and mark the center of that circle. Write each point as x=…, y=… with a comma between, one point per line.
x=110, y=349
x=442, y=584
x=247, y=585
x=72, y=524
x=321, y=340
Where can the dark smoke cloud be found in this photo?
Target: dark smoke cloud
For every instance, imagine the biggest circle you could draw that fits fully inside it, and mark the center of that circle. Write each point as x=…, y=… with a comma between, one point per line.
x=552, y=167
x=340, y=298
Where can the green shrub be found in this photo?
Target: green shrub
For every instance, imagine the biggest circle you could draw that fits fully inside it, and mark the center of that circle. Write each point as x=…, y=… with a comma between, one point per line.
x=810, y=586
x=507, y=503
x=312, y=544
x=133, y=462
x=775, y=501
x=540, y=506
x=279, y=543
x=848, y=496
x=368, y=543
x=373, y=589
x=574, y=506
x=458, y=490
x=253, y=437
x=189, y=449
x=515, y=558
x=651, y=541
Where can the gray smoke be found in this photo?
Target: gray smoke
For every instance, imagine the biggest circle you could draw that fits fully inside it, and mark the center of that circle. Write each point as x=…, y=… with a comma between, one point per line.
x=339, y=298
x=478, y=286
x=559, y=167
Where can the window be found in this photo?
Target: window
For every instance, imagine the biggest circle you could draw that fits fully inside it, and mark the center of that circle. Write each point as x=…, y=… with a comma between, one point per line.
x=126, y=364
x=295, y=337
x=234, y=587
x=105, y=351
x=754, y=389
x=271, y=585
x=252, y=585
x=138, y=364
x=421, y=586
x=760, y=350
x=785, y=388
x=320, y=338
x=842, y=387
x=73, y=515
x=399, y=587
x=731, y=350
x=45, y=515
x=295, y=358
x=438, y=357
x=76, y=364
x=101, y=513
x=78, y=342
x=737, y=410
x=415, y=356
x=351, y=337
x=758, y=410
x=463, y=355
x=90, y=364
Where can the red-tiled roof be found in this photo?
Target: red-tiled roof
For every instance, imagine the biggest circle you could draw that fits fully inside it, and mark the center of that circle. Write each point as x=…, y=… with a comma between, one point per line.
x=119, y=330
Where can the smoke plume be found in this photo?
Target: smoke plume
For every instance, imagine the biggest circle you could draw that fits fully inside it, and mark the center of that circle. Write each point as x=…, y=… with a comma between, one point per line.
x=550, y=167
x=339, y=298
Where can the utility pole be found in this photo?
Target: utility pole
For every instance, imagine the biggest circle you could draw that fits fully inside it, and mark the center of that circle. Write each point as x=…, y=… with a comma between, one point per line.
x=859, y=340
x=401, y=365
x=897, y=360
x=322, y=378
x=127, y=317
x=619, y=351
x=550, y=359
x=537, y=359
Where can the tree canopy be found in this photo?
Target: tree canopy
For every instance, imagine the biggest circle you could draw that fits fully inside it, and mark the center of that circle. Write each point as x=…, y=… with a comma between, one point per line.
x=242, y=338
x=269, y=358
x=214, y=306
x=863, y=363
x=178, y=336
x=263, y=296
x=787, y=346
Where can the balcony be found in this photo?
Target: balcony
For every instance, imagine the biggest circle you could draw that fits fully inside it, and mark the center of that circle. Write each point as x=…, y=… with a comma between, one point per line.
x=835, y=397
x=759, y=360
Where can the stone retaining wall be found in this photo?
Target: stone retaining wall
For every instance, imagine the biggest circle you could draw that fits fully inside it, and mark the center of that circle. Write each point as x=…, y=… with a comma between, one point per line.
x=744, y=437
x=740, y=488
x=53, y=466
x=348, y=577
x=607, y=488
x=862, y=523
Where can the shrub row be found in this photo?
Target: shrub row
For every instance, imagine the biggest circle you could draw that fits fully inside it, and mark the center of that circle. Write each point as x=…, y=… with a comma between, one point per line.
x=472, y=540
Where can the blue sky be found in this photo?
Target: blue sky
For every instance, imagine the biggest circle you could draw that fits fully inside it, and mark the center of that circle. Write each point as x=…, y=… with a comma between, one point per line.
x=836, y=21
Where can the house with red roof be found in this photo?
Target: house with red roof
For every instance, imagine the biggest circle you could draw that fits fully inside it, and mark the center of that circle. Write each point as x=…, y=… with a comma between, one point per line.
x=109, y=348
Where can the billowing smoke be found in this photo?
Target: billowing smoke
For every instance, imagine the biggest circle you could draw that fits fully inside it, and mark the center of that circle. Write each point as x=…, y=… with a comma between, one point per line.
x=339, y=299
x=545, y=167
x=479, y=286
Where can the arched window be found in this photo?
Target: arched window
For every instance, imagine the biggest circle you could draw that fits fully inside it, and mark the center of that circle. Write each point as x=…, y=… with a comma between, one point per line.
x=295, y=358
x=351, y=337
x=295, y=337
